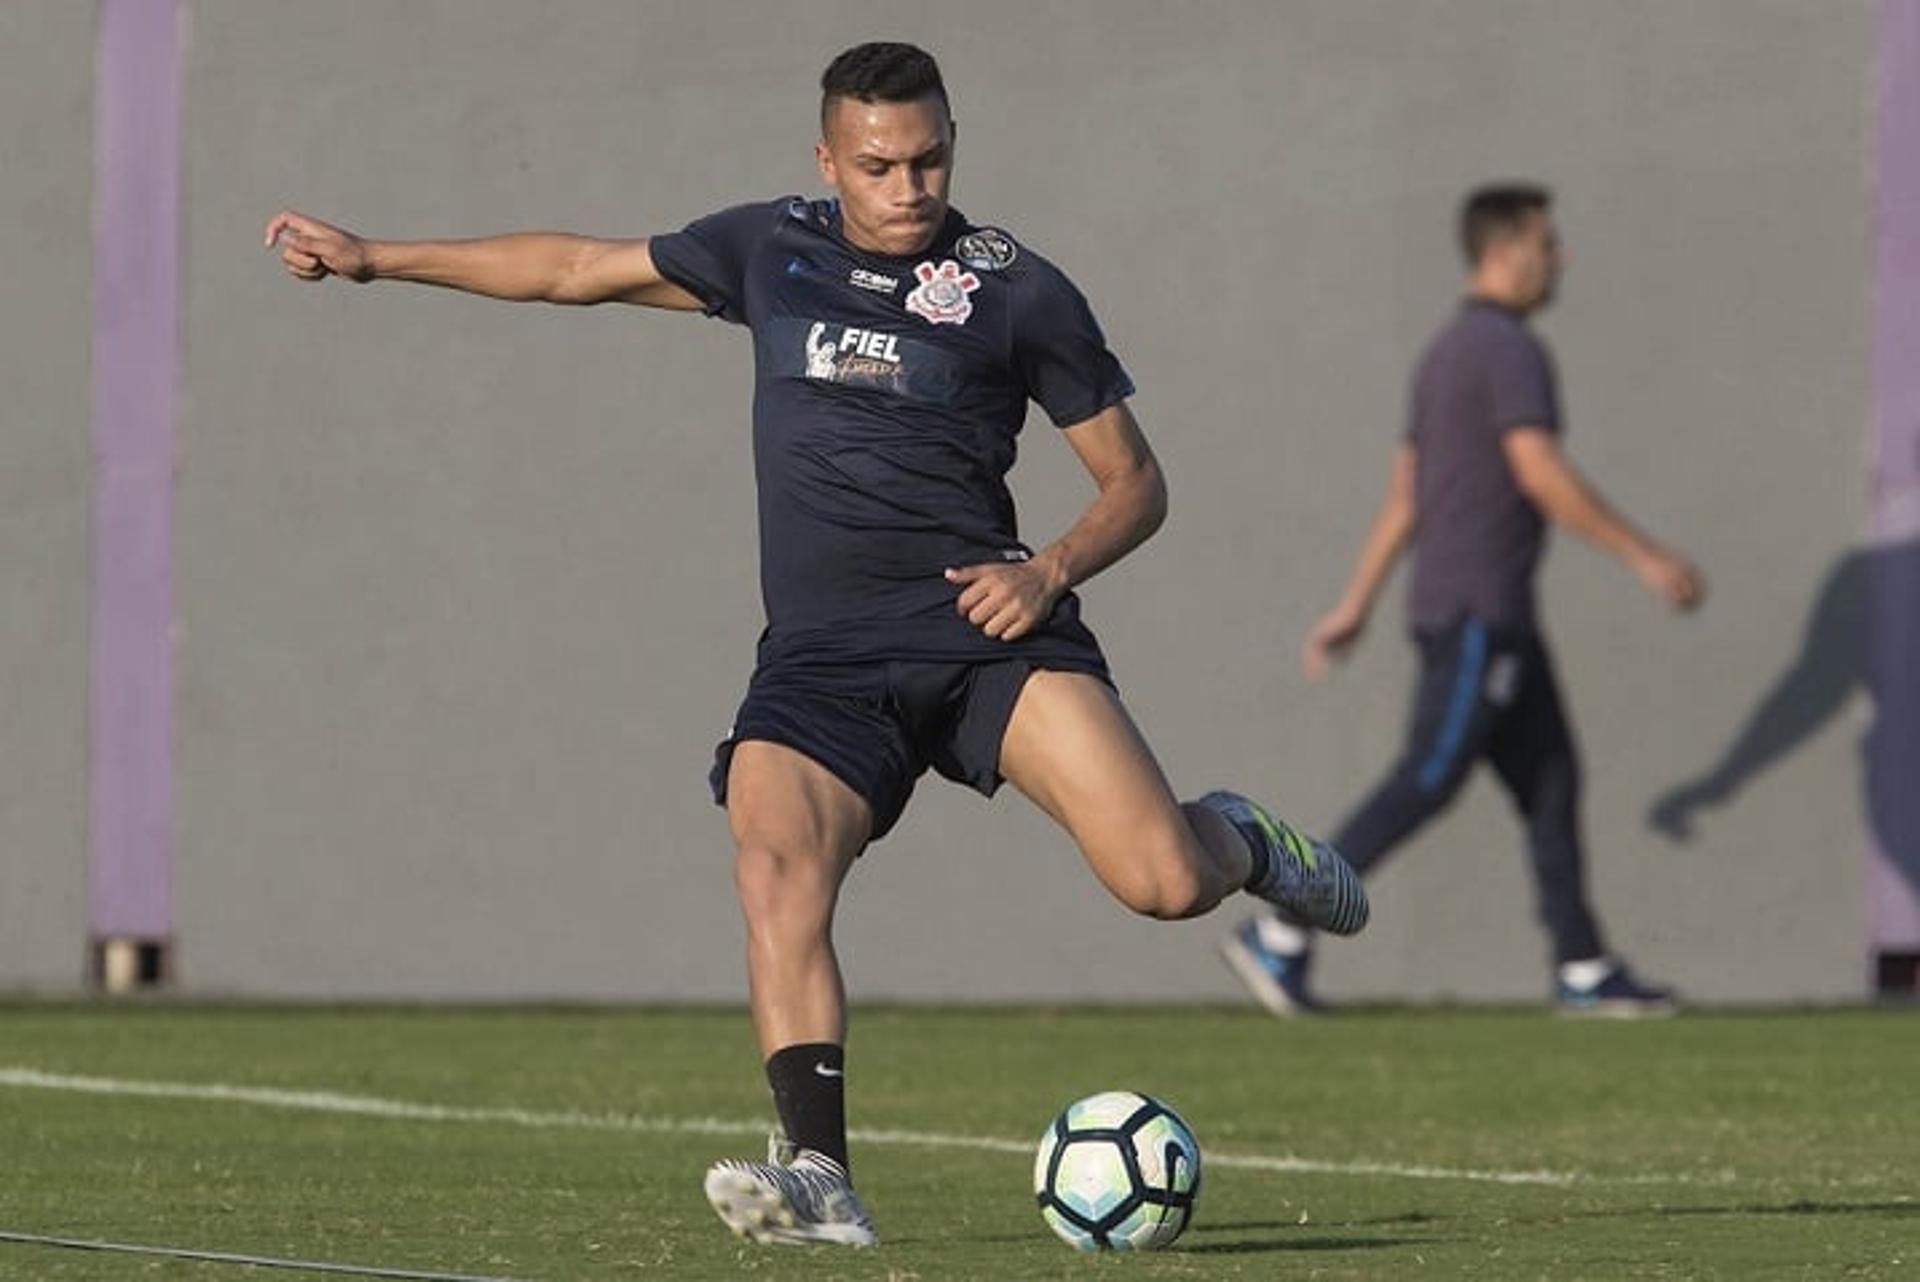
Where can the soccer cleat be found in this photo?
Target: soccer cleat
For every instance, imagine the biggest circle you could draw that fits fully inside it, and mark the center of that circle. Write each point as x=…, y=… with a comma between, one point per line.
x=1619, y=995
x=806, y=1200
x=1278, y=979
x=1308, y=882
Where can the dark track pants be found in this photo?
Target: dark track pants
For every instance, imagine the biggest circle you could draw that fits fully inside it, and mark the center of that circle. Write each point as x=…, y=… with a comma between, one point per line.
x=1487, y=692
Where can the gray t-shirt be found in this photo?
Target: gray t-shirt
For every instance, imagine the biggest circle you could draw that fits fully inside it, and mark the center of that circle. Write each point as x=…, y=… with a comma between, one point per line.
x=1477, y=537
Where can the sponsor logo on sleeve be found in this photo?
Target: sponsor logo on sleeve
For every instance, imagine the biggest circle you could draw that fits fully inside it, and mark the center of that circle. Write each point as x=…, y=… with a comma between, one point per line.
x=988, y=249
x=941, y=296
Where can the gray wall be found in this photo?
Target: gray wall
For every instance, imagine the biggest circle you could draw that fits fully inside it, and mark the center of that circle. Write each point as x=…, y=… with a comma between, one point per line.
x=46, y=151
x=468, y=588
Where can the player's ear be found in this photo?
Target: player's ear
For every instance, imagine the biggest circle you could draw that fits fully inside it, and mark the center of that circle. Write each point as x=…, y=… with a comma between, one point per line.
x=824, y=158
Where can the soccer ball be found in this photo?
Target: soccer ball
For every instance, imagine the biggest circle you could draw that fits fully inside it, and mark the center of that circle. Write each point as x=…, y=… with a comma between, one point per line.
x=1117, y=1171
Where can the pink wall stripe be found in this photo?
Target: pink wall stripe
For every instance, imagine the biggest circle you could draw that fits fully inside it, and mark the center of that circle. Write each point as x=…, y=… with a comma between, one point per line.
x=1893, y=744
x=136, y=351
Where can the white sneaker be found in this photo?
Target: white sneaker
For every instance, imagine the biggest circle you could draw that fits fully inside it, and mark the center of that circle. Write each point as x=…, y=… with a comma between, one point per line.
x=1309, y=883
x=806, y=1200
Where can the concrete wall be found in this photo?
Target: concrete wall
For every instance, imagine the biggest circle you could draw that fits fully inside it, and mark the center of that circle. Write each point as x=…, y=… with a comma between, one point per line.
x=468, y=589
x=46, y=95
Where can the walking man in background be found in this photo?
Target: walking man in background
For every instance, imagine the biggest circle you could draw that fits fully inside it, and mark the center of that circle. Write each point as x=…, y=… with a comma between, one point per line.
x=896, y=346
x=1473, y=485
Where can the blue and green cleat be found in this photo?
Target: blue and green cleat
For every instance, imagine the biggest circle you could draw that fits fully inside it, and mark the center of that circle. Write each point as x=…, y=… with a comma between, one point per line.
x=1307, y=881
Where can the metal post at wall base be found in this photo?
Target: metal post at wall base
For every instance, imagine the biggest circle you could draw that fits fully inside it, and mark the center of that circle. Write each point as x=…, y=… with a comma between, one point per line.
x=1896, y=976
x=136, y=385
x=119, y=964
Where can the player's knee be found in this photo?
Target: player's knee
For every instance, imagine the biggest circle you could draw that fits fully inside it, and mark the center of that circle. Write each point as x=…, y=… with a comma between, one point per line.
x=1178, y=901
x=774, y=882
x=1174, y=888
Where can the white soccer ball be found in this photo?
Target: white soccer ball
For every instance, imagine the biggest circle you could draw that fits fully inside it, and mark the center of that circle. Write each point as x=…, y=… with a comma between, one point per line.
x=1117, y=1171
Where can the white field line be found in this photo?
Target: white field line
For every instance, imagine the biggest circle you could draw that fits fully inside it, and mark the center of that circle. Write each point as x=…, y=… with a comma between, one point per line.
x=405, y=1110
x=256, y=1261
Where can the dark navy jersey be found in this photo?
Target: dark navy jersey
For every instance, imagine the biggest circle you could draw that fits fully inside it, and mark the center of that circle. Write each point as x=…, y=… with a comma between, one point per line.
x=888, y=396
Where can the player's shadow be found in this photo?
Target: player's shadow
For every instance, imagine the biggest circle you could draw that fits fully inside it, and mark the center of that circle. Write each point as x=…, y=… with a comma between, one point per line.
x=1243, y=1226
x=1862, y=635
x=1298, y=1237
x=1900, y=1208
x=1301, y=1237
x=1318, y=1243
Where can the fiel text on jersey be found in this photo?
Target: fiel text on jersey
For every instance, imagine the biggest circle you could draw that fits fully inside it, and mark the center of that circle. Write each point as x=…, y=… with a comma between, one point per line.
x=857, y=355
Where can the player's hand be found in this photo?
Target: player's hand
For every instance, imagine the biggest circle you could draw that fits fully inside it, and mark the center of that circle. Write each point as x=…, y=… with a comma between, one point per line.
x=1672, y=578
x=313, y=250
x=1331, y=639
x=1005, y=599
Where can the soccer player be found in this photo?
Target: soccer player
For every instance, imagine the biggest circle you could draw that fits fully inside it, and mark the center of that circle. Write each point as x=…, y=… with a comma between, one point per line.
x=1473, y=484
x=896, y=345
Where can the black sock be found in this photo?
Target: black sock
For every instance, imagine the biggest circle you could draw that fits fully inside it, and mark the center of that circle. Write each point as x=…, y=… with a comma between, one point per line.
x=810, y=1093
x=1261, y=865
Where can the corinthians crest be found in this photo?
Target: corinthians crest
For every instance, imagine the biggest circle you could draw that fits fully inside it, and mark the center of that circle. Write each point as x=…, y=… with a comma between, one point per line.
x=941, y=296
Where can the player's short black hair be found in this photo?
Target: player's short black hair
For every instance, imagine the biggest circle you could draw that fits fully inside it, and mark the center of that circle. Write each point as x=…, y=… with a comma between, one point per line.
x=882, y=71
x=1495, y=210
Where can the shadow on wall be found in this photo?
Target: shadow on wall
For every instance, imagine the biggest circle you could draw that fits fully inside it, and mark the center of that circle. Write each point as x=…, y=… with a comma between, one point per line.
x=1863, y=633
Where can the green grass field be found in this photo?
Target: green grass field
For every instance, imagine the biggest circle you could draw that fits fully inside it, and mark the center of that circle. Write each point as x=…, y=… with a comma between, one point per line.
x=562, y=1144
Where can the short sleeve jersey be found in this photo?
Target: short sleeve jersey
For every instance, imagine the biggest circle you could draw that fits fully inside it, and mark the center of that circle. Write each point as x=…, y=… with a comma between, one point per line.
x=1477, y=538
x=888, y=396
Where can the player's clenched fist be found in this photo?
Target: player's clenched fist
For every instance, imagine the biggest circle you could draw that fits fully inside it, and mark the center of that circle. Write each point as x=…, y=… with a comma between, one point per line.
x=313, y=250
x=1005, y=601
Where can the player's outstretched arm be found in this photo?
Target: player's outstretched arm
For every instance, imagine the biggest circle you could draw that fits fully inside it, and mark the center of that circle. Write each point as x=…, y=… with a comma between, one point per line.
x=1006, y=600
x=551, y=267
x=1546, y=476
x=1340, y=628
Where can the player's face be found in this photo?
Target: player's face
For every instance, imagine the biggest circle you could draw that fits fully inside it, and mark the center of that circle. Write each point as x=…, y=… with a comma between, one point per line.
x=891, y=163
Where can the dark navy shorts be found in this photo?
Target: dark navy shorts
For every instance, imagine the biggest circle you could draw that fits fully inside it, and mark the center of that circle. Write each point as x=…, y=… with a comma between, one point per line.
x=878, y=726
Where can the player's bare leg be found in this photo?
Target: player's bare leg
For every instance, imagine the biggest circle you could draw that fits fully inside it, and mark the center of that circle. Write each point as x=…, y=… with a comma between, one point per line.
x=796, y=830
x=1072, y=748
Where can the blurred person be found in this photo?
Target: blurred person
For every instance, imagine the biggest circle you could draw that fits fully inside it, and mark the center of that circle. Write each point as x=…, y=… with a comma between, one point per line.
x=1473, y=484
x=896, y=345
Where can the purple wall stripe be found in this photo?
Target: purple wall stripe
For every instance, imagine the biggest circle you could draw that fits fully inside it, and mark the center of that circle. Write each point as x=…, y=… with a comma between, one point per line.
x=1893, y=744
x=136, y=349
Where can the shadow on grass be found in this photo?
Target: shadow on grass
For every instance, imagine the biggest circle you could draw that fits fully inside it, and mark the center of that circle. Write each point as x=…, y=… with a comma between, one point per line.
x=1898, y=1209
x=1251, y=1246
x=1241, y=1226
x=1257, y=1246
